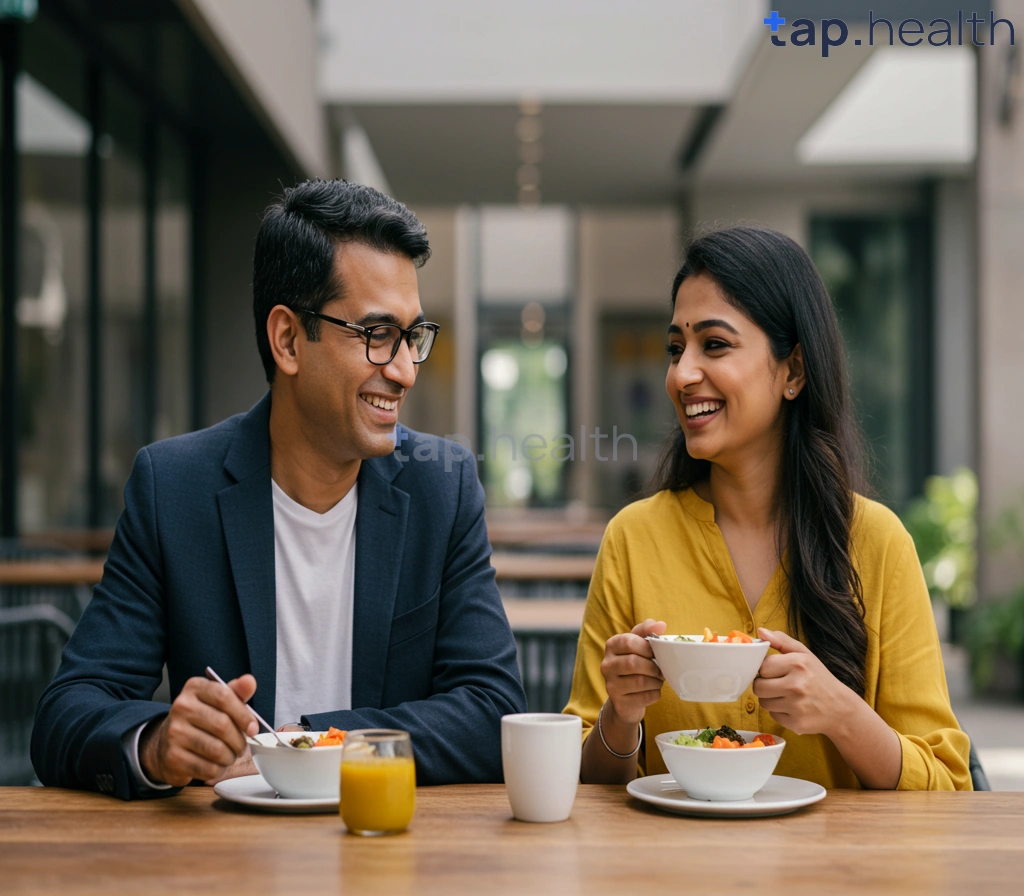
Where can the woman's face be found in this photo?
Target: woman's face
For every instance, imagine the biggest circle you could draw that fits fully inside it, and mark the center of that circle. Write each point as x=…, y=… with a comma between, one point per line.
x=726, y=386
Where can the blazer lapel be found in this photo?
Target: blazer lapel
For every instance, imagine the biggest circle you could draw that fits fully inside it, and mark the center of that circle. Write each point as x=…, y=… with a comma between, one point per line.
x=380, y=539
x=247, y=515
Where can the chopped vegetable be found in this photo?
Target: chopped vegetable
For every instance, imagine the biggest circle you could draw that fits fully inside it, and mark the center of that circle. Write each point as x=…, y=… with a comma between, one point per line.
x=724, y=738
x=302, y=743
x=730, y=734
x=710, y=637
x=334, y=737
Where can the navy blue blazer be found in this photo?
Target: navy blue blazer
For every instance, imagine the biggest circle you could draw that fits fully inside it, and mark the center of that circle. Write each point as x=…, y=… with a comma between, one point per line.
x=190, y=581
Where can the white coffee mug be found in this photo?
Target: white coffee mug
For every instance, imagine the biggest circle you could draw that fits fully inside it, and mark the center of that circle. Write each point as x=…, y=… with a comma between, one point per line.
x=540, y=754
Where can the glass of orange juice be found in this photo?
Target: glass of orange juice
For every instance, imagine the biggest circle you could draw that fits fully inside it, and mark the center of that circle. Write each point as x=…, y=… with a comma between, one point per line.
x=378, y=781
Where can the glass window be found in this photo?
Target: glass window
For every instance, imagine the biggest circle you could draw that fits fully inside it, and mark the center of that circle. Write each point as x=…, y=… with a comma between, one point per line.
x=173, y=283
x=144, y=345
x=4, y=524
x=175, y=64
x=523, y=381
x=875, y=268
x=53, y=141
x=633, y=402
x=122, y=238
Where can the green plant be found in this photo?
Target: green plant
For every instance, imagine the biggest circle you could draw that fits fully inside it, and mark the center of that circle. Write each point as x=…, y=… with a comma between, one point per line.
x=942, y=524
x=994, y=629
x=998, y=627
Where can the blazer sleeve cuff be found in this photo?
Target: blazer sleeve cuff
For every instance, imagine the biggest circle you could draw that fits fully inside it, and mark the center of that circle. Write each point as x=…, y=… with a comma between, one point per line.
x=106, y=765
x=130, y=745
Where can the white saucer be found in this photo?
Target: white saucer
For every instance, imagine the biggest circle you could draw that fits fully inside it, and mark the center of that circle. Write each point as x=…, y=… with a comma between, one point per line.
x=253, y=790
x=779, y=796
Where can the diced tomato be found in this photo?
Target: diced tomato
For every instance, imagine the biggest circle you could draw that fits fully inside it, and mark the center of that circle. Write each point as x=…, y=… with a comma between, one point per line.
x=766, y=739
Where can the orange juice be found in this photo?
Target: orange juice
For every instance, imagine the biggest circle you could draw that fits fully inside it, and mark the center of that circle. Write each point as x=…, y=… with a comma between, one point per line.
x=378, y=793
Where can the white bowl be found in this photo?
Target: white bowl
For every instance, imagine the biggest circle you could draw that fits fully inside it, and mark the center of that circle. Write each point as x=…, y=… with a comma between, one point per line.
x=706, y=672
x=708, y=774
x=313, y=774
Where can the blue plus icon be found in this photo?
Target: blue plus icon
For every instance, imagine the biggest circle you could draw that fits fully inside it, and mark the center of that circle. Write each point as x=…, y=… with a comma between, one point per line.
x=774, y=20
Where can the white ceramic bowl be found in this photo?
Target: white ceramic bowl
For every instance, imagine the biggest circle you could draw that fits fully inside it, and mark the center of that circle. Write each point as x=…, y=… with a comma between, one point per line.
x=708, y=774
x=705, y=672
x=313, y=774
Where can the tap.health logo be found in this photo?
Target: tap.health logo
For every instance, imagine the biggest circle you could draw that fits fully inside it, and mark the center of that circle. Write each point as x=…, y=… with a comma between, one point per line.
x=910, y=32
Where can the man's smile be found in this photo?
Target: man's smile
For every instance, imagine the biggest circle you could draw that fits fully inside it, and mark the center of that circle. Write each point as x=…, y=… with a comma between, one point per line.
x=378, y=401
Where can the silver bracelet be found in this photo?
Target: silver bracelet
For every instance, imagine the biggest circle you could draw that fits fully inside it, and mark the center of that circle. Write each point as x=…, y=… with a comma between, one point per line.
x=630, y=755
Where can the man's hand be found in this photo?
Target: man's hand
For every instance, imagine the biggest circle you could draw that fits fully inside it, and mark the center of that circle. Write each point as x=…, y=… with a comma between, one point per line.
x=202, y=736
x=243, y=765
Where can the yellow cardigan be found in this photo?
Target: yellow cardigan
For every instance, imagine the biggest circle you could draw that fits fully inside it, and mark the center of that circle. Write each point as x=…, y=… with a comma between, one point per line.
x=664, y=558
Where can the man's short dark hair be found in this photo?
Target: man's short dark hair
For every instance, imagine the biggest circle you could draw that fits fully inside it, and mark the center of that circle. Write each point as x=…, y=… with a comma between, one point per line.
x=293, y=263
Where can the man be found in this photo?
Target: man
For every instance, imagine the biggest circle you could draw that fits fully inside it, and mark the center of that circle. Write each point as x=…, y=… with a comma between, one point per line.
x=294, y=547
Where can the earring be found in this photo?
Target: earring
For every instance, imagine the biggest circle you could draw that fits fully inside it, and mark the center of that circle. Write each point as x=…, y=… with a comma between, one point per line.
x=791, y=392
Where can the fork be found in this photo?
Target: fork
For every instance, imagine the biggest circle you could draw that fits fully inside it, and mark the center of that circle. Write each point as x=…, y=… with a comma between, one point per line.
x=211, y=674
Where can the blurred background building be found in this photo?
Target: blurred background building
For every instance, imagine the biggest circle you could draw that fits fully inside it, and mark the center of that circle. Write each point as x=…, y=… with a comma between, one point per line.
x=559, y=153
x=140, y=143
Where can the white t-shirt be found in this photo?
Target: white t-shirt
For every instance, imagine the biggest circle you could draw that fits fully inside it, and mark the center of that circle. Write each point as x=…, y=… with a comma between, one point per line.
x=315, y=565
x=314, y=561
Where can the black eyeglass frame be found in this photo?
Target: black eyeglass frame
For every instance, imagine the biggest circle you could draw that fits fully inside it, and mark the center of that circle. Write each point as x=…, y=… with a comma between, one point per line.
x=367, y=332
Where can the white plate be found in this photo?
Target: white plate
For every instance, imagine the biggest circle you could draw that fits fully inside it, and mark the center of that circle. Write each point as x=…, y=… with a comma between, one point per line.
x=779, y=796
x=253, y=790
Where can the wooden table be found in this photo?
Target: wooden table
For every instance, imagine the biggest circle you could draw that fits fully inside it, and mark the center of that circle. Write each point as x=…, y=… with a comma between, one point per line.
x=534, y=567
x=92, y=541
x=51, y=572
x=507, y=565
x=463, y=840
x=537, y=614
x=545, y=527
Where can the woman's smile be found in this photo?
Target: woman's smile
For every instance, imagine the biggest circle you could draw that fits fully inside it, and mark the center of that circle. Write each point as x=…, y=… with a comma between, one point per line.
x=701, y=411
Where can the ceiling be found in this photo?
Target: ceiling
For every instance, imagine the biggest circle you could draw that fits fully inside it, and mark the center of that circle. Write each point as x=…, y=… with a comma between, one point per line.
x=592, y=153
x=781, y=97
x=630, y=153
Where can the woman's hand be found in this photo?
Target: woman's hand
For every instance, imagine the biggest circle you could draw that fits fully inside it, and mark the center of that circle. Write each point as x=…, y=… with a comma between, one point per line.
x=803, y=696
x=632, y=678
x=797, y=690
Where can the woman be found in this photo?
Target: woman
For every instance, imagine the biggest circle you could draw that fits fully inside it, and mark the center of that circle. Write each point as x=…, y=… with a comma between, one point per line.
x=754, y=523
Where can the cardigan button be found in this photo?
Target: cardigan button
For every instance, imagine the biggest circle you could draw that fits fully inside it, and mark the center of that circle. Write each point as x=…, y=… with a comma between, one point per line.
x=750, y=706
x=750, y=627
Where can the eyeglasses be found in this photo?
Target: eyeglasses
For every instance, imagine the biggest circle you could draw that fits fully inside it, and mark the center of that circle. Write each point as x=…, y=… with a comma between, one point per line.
x=382, y=340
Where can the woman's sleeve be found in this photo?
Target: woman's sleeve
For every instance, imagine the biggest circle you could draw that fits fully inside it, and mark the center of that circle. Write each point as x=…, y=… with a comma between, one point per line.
x=912, y=695
x=609, y=611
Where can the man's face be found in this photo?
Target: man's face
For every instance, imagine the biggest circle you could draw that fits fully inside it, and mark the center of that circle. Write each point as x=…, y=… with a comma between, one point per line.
x=350, y=405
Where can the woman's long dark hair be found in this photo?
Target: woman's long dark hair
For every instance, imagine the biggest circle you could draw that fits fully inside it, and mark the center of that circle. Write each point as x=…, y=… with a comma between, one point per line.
x=772, y=281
